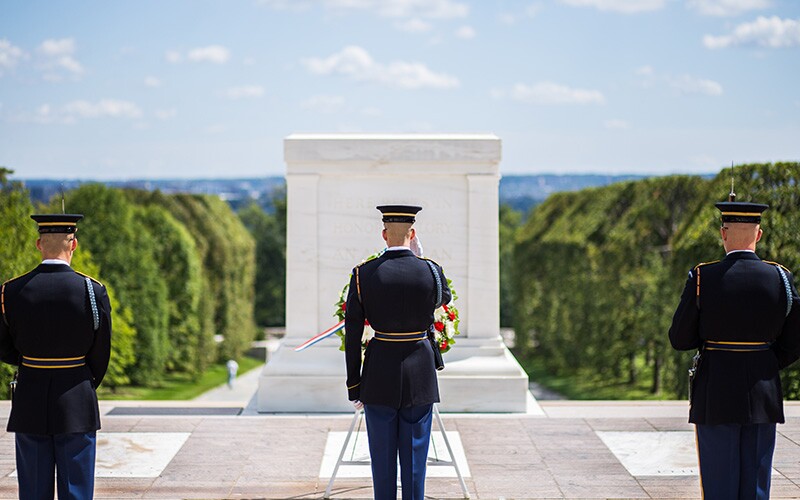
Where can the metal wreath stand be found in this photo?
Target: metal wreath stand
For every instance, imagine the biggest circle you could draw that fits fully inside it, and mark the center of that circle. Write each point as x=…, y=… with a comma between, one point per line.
x=358, y=416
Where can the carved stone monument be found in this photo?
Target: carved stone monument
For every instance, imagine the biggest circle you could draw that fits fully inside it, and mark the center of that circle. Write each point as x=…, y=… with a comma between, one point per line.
x=334, y=183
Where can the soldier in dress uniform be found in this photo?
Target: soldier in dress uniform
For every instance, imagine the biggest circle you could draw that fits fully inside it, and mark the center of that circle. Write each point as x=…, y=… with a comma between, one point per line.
x=56, y=326
x=743, y=316
x=397, y=294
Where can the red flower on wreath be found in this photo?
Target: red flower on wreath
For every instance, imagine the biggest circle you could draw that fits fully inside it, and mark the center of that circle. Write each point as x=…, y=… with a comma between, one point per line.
x=445, y=324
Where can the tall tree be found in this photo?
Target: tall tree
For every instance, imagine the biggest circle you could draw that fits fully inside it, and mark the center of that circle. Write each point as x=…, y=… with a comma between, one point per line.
x=126, y=253
x=269, y=232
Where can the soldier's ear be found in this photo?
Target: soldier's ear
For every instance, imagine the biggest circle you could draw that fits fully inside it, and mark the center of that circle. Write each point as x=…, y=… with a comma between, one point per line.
x=413, y=233
x=383, y=235
x=74, y=243
x=39, y=244
x=759, y=234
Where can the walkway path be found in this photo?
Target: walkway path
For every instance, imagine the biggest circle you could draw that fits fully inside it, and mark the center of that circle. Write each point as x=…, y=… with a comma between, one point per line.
x=244, y=389
x=582, y=450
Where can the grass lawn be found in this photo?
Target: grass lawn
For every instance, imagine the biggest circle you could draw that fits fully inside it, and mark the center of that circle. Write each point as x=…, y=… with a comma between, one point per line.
x=179, y=386
x=587, y=385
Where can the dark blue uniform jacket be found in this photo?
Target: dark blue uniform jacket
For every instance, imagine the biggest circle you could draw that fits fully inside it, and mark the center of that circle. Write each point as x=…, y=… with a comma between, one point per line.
x=398, y=295
x=741, y=299
x=48, y=315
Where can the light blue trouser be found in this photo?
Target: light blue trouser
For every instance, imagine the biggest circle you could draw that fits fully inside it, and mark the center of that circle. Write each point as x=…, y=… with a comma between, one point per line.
x=39, y=457
x=736, y=460
x=405, y=432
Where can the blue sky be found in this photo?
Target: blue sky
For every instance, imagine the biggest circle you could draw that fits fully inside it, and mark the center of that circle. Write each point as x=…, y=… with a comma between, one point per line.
x=209, y=88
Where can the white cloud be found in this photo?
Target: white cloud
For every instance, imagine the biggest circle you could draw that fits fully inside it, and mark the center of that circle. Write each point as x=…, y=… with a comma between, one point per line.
x=530, y=11
x=173, y=56
x=727, y=8
x=216, y=54
x=10, y=55
x=55, y=48
x=507, y=18
x=152, y=82
x=623, y=6
x=356, y=63
x=323, y=103
x=373, y=111
x=58, y=55
x=548, y=93
x=73, y=111
x=693, y=85
x=441, y=9
x=686, y=84
x=415, y=25
x=105, y=108
x=465, y=32
x=771, y=32
x=615, y=124
x=166, y=114
x=44, y=114
x=245, y=92
x=533, y=9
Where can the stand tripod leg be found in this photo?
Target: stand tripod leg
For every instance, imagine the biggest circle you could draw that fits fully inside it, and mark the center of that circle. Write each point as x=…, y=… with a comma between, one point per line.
x=341, y=454
x=450, y=451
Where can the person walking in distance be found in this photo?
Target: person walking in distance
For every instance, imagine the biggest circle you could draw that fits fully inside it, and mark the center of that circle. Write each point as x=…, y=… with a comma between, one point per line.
x=743, y=316
x=397, y=293
x=56, y=327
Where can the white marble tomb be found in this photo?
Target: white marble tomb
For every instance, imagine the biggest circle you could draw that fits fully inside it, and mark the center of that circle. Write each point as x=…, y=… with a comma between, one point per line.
x=334, y=183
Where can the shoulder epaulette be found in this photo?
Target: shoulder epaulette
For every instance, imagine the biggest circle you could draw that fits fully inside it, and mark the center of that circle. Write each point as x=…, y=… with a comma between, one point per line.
x=87, y=276
x=3, y=296
x=16, y=277
x=426, y=258
x=706, y=263
x=697, y=269
x=778, y=264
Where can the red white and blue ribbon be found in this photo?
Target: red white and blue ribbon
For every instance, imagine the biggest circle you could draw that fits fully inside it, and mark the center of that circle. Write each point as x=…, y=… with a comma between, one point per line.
x=320, y=336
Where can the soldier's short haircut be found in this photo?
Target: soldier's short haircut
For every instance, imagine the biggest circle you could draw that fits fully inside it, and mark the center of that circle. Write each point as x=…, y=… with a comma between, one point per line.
x=55, y=243
x=742, y=233
x=397, y=231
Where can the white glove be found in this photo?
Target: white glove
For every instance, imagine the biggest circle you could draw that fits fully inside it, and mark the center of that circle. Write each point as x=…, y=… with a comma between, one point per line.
x=357, y=404
x=416, y=246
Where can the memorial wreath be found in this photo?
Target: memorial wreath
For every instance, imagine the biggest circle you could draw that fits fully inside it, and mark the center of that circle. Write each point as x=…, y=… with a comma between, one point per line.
x=445, y=317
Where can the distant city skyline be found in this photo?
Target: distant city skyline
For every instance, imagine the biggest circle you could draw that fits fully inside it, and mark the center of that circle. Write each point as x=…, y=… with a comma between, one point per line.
x=209, y=88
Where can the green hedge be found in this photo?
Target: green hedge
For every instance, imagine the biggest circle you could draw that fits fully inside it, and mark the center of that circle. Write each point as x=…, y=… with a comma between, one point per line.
x=598, y=273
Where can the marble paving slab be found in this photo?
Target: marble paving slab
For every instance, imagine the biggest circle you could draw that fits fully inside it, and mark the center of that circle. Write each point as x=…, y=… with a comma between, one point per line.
x=652, y=453
x=358, y=451
x=135, y=454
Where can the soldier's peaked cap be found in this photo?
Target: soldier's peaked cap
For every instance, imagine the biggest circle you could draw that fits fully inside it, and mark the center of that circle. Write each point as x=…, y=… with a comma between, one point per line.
x=737, y=211
x=57, y=223
x=399, y=213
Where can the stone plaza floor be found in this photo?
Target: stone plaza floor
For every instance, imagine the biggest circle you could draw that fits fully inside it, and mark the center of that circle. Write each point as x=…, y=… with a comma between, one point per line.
x=207, y=449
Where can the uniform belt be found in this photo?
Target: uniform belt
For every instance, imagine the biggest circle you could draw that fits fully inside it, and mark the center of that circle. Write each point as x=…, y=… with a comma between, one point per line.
x=402, y=337
x=712, y=345
x=53, y=362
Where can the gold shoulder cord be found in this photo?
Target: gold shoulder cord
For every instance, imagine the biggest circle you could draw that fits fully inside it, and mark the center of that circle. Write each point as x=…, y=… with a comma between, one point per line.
x=778, y=264
x=358, y=285
x=697, y=299
x=3, y=302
